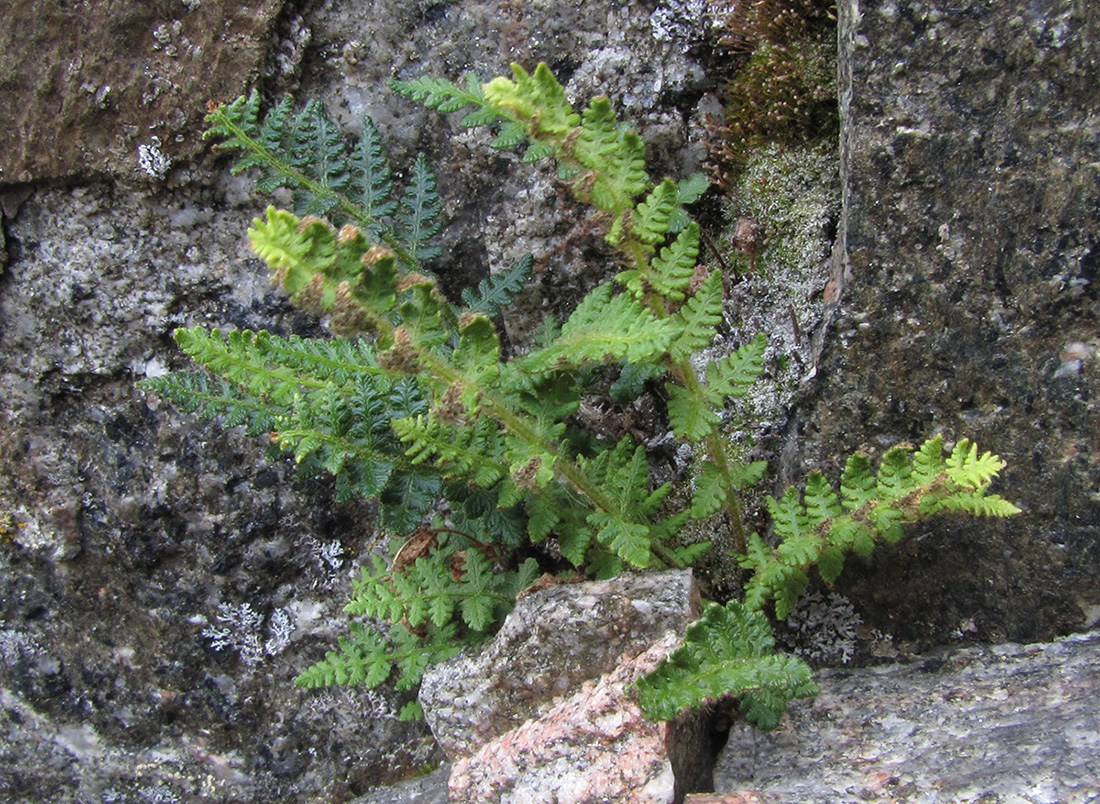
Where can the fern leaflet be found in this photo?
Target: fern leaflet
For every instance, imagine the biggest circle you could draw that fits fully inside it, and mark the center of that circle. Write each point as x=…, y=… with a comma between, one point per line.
x=605, y=327
x=418, y=220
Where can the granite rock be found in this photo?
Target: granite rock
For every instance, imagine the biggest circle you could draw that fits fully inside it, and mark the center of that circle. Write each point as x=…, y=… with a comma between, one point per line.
x=554, y=641
x=1002, y=723
x=592, y=746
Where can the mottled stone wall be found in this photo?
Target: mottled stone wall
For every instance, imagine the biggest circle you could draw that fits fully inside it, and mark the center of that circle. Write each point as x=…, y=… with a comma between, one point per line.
x=971, y=171
x=969, y=307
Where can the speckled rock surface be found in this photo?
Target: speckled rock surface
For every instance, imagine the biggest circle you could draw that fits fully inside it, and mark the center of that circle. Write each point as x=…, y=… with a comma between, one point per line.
x=162, y=588
x=553, y=641
x=1010, y=723
x=591, y=746
x=118, y=86
x=969, y=302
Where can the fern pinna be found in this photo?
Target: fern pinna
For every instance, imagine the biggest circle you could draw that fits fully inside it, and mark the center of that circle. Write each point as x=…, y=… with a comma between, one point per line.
x=472, y=454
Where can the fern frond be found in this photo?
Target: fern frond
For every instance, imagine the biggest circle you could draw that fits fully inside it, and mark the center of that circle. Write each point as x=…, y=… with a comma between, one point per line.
x=857, y=483
x=499, y=290
x=439, y=93
x=473, y=451
x=688, y=191
x=699, y=317
x=979, y=503
x=728, y=651
x=407, y=499
x=733, y=375
x=491, y=514
x=236, y=124
x=969, y=469
x=693, y=410
x=304, y=153
x=213, y=398
x=536, y=99
x=691, y=415
x=372, y=180
x=318, y=152
x=650, y=220
x=822, y=527
x=239, y=356
x=674, y=268
x=362, y=658
x=598, y=137
x=436, y=587
x=630, y=541
x=340, y=361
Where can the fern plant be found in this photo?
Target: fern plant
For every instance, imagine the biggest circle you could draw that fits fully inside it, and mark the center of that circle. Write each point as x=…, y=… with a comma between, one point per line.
x=729, y=650
x=472, y=454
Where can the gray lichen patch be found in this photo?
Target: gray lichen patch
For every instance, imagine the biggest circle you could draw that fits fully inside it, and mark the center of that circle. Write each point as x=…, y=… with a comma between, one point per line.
x=781, y=215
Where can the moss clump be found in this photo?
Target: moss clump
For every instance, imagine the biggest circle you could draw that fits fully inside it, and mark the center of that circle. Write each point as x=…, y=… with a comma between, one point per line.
x=785, y=89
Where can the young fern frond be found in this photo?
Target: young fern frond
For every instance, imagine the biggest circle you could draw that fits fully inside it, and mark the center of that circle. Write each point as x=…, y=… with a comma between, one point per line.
x=817, y=528
x=536, y=99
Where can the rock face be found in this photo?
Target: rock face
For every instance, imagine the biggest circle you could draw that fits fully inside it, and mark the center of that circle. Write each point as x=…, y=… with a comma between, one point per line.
x=545, y=712
x=118, y=86
x=1004, y=723
x=554, y=641
x=161, y=584
x=969, y=301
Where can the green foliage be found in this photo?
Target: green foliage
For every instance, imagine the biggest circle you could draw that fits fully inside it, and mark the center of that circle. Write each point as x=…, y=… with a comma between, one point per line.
x=819, y=526
x=434, y=605
x=728, y=651
x=416, y=406
x=305, y=154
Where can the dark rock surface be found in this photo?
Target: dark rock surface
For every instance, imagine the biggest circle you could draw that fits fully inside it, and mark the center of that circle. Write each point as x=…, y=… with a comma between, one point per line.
x=969, y=303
